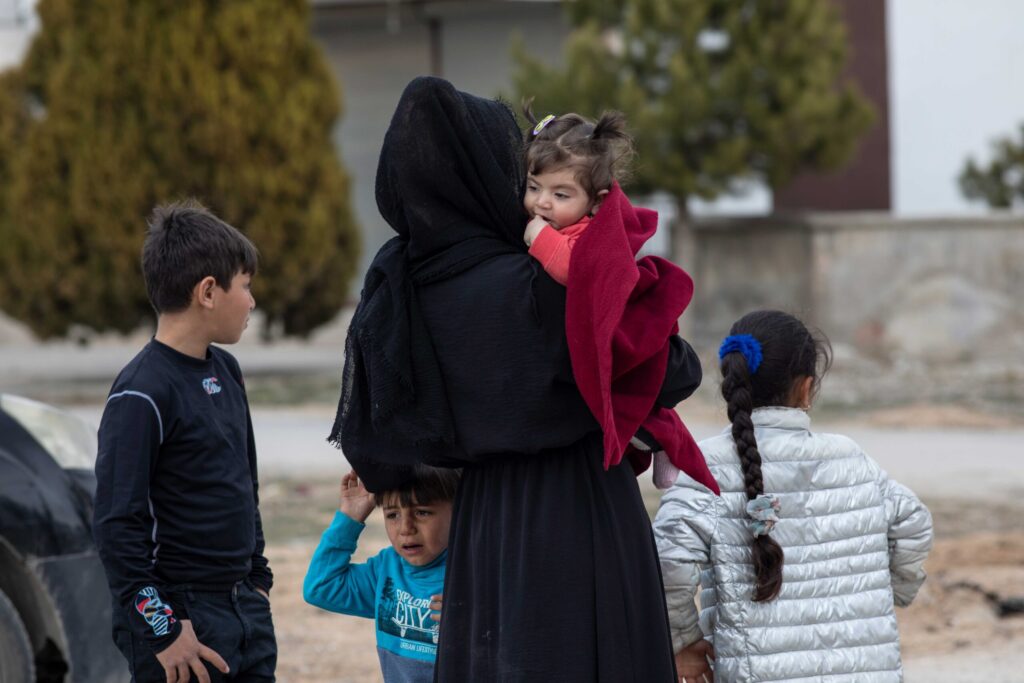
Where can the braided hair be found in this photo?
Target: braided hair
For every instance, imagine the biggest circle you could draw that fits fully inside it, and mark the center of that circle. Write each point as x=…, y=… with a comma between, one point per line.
x=598, y=152
x=790, y=353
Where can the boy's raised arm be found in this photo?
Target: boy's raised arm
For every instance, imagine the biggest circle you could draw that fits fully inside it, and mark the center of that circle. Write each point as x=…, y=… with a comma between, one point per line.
x=123, y=523
x=332, y=582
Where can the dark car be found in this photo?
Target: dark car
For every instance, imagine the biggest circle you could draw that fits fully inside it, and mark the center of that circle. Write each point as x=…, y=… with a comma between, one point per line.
x=54, y=601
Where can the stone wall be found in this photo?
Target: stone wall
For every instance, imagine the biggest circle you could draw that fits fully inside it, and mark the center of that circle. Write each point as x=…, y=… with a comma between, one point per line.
x=906, y=300
x=374, y=58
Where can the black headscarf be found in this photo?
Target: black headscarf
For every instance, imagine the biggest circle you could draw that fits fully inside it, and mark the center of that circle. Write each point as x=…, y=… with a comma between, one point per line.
x=450, y=170
x=449, y=182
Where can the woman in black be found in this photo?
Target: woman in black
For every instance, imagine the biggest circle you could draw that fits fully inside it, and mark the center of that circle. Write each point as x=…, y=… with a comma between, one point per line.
x=456, y=356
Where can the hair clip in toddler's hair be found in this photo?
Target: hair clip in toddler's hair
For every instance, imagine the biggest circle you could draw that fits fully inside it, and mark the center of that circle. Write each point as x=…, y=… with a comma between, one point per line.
x=543, y=122
x=744, y=344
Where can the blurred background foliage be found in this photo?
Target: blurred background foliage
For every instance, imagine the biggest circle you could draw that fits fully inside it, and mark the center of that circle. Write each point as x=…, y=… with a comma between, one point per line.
x=120, y=105
x=714, y=90
x=1000, y=183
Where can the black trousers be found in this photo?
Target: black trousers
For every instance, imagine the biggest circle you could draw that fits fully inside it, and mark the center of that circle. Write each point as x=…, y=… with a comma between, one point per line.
x=235, y=623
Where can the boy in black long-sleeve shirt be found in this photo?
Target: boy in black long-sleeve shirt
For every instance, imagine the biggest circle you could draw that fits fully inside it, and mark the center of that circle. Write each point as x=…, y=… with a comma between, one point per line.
x=177, y=519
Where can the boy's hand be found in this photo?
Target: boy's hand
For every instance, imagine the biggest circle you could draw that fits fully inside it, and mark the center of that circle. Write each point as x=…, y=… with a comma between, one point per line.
x=533, y=229
x=435, y=604
x=356, y=502
x=692, y=663
x=185, y=656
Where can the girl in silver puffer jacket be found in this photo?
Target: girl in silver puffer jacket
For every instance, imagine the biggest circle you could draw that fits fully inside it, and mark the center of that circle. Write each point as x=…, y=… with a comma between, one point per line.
x=802, y=558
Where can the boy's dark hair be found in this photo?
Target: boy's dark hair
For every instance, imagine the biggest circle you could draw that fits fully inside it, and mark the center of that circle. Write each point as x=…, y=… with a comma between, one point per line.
x=186, y=243
x=597, y=152
x=429, y=485
x=790, y=352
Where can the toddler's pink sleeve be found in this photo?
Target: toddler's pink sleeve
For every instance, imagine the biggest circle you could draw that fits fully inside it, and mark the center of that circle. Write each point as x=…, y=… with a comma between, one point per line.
x=554, y=250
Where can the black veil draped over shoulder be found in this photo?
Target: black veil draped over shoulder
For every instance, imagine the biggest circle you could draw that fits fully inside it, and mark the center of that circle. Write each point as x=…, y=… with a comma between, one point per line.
x=450, y=183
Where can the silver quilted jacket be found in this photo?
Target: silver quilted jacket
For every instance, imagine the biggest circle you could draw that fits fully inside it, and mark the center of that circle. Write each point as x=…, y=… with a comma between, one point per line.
x=854, y=543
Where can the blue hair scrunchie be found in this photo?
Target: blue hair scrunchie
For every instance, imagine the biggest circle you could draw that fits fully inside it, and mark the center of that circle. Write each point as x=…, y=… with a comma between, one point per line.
x=745, y=344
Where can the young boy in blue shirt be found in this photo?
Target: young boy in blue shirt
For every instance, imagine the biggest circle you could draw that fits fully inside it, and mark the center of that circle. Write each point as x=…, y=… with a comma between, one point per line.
x=400, y=587
x=176, y=520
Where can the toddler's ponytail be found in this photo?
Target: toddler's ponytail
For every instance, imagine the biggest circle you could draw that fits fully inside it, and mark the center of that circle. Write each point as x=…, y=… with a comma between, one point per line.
x=611, y=126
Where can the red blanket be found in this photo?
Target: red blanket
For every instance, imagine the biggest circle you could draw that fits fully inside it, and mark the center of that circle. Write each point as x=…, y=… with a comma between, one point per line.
x=620, y=313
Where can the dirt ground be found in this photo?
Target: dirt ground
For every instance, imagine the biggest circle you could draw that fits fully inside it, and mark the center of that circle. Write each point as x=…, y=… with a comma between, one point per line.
x=951, y=632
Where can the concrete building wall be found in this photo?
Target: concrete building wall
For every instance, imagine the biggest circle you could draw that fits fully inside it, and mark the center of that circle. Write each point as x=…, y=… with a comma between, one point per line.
x=935, y=290
x=926, y=291
x=476, y=39
x=740, y=265
x=376, y=50
x=863, y=182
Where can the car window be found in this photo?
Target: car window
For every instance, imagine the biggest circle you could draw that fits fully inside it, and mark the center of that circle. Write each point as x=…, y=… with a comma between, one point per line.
x=68, y=438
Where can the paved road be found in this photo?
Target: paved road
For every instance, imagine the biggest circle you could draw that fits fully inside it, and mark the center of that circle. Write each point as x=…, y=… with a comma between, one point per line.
x=63, y=361
x=955, y=463
x=996, y=666
x=935, y=463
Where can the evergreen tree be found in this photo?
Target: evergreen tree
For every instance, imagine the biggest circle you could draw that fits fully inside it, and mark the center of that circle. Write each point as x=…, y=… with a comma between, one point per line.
x=1001, y=183
x=121, y=105
x=713, y=90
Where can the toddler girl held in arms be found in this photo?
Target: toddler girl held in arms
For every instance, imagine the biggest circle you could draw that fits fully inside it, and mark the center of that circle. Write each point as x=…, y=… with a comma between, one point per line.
x=619, y=311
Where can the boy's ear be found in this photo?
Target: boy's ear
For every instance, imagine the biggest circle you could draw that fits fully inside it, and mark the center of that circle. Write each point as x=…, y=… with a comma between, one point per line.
x=203, y=292
x=597, y=202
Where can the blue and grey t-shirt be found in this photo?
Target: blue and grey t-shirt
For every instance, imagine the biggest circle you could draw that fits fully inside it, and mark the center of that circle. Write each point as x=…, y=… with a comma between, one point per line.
x=387, y=589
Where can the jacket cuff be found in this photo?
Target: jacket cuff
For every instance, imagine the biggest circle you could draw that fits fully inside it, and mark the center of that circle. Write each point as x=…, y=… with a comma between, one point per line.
x=154, y=618
x=162, y=643
x=545, y=244
x=644, y=441
x=684, y=637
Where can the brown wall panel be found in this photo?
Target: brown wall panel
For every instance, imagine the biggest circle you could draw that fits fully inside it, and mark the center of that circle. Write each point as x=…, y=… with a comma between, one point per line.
x=864, y=183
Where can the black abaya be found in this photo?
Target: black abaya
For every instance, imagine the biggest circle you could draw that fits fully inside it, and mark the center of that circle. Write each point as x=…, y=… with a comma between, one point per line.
x=552, y=570
x=553, y=575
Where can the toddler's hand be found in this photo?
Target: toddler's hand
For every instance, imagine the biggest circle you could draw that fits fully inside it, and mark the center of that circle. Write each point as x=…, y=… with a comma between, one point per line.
x=533, y=229
x=692, y=663
x=356, y=501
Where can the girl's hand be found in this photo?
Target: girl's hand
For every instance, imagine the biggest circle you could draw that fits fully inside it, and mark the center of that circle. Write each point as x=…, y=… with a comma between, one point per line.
x=435, y=604
x=692, y=663
x=533, y=229
x=356, y=501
